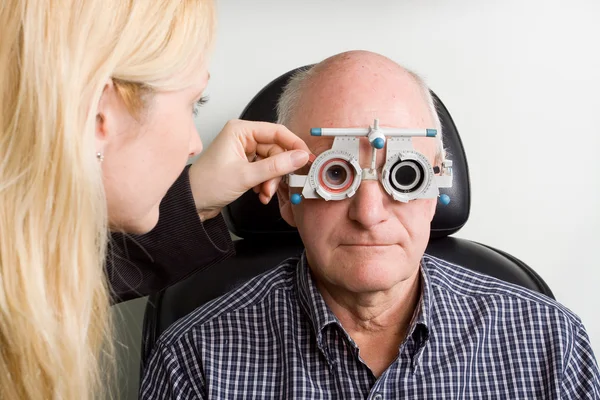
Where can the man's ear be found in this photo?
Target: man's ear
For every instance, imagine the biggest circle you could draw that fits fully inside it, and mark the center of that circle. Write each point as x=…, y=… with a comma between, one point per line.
x=285, y=206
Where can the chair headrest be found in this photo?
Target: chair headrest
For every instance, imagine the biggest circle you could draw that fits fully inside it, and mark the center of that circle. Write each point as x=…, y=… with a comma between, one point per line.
x=248, y=218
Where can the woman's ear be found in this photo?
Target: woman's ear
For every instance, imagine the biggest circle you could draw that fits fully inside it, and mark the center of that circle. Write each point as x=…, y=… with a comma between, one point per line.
x=285, y=206
x=105, y=107
x=112, y=119
x=112, y=116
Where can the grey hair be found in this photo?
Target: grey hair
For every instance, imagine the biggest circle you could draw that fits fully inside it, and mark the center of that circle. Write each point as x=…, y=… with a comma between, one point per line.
x=440, y=154
x=290, y=97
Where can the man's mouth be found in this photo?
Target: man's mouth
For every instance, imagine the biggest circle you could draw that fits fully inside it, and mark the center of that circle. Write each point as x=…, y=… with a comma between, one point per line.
x=367, y=244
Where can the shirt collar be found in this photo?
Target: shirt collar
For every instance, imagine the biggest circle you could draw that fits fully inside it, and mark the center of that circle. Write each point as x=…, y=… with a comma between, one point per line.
x=311, y=300
x=420, y=326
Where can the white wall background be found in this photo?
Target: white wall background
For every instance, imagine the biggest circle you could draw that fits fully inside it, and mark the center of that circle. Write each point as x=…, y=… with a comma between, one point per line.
x=521, y=80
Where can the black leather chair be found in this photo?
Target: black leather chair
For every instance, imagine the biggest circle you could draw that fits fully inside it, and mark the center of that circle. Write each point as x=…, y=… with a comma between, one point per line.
x=267, y=239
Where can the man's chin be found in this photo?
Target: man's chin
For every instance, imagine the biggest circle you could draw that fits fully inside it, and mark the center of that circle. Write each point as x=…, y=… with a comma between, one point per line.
x=374, y=268
x=371, y=254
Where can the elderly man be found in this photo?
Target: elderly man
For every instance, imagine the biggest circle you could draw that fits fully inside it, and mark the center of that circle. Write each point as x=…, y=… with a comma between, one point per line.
x=364, y=313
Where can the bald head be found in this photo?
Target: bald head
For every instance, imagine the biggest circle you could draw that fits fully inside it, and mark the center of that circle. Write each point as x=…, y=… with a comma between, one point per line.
x=352, y=89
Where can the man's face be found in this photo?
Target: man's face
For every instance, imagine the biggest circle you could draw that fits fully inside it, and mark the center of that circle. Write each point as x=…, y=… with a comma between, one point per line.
x=369, y=242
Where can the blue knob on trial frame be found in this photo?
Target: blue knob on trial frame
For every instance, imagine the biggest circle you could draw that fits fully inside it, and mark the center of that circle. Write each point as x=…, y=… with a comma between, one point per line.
x=445, y=199
x=378, y=143
x=295, y=198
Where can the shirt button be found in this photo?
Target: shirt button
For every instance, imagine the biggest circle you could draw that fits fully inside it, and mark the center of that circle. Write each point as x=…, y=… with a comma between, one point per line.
x=378, y=396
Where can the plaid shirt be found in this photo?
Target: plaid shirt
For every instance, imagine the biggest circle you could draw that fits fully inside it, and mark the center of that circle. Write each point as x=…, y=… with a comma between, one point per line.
x=472, y=336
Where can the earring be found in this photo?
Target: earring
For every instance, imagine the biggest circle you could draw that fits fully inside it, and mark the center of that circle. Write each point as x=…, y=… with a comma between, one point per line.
x=100, y=156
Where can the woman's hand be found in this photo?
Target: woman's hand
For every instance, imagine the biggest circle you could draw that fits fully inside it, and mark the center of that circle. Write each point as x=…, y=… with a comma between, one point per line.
x=243, y=156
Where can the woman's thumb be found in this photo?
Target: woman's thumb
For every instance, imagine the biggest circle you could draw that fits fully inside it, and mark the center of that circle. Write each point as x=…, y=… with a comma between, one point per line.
x=277, y=165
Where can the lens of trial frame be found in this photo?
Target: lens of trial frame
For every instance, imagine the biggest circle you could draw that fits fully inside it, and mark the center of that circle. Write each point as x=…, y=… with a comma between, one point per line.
x=336, y=175
x=406, y=175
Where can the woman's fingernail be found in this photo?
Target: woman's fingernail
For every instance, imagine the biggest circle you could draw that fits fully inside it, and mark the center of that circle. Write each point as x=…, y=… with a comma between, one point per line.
x=299, y=158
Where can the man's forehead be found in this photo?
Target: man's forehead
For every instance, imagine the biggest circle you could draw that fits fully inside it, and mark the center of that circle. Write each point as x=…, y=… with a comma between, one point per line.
x=396, y=103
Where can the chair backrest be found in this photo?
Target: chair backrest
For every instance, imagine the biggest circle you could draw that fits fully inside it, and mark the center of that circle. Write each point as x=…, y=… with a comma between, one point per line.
x=267, y=239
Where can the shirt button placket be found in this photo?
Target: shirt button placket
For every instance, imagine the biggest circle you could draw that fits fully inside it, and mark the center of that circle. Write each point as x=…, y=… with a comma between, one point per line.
x=378, y=396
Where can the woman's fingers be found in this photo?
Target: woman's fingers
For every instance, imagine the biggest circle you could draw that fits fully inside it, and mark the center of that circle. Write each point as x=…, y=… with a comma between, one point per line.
x=274, y=167
x=268, y=133
x=267, y=150
x=267, y=190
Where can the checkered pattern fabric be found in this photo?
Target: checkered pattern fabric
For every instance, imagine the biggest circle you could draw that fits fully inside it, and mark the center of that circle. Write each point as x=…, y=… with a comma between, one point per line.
x=472, y=337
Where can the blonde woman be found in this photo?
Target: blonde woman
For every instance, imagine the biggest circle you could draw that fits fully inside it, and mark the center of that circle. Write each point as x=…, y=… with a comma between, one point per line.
x=96, y=126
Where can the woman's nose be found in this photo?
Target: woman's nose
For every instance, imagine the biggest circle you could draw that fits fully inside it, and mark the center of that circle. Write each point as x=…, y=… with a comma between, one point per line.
x=195, y=144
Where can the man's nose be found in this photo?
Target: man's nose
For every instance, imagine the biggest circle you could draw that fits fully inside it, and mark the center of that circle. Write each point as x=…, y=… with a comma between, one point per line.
x=369, y=205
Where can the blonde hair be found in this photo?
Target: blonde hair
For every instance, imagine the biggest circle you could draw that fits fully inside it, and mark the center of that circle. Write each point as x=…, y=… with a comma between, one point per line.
x=55, y=60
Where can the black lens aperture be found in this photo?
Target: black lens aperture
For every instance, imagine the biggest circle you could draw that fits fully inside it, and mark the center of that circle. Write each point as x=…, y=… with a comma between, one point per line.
x=407, y=176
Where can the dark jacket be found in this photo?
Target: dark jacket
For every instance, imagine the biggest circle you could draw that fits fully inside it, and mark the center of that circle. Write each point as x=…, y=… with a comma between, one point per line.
x=178, y=246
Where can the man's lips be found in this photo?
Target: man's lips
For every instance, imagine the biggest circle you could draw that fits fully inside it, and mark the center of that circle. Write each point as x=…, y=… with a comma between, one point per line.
x=368, y=244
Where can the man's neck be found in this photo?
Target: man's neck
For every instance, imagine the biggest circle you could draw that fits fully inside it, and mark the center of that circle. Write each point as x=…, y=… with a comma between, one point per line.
x=377, y=322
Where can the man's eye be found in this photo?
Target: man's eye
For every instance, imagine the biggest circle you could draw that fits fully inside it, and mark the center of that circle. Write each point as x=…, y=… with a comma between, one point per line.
x=203, y=100
x=336, y=174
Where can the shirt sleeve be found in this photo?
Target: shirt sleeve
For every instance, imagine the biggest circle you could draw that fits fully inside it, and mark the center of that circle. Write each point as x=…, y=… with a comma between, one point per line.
x=166, y=377
x=581, y=377
x=179, y=245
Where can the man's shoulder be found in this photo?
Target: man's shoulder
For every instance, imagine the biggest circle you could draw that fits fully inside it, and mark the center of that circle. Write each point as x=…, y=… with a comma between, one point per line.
x=252, y=293
x=458, y=282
